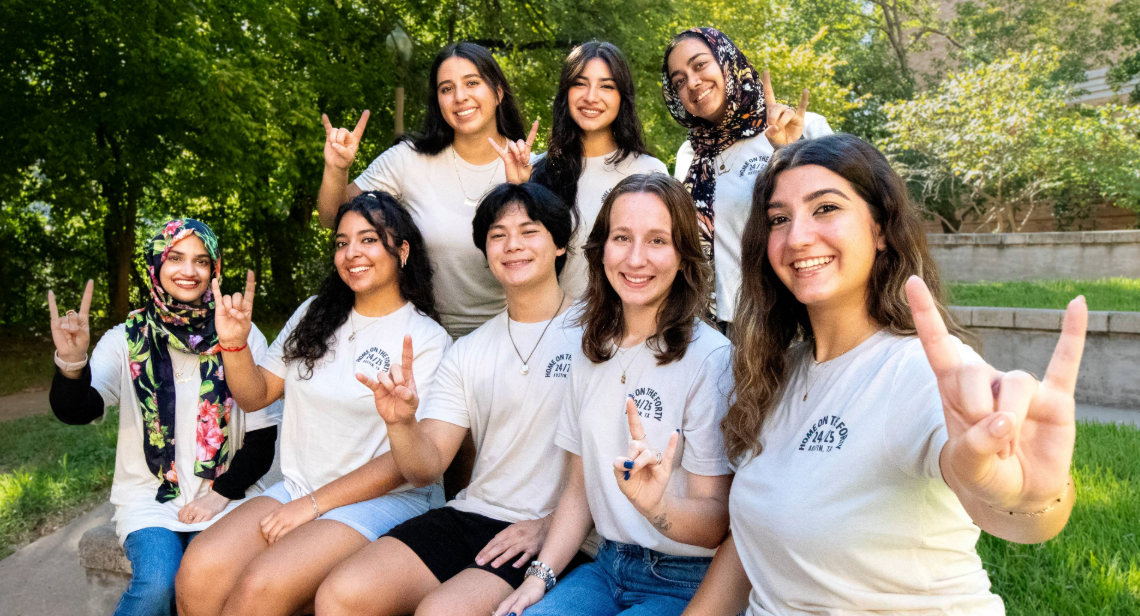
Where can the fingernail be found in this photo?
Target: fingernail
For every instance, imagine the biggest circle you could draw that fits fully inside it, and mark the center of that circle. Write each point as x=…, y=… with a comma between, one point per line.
x=627, y=475
x=678, y=430
x=1001, y=426
x=479, y=561
x=628, y=464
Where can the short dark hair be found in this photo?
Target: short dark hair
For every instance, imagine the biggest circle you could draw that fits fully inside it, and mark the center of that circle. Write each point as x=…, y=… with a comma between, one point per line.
x=539, y=203
x=437, y=133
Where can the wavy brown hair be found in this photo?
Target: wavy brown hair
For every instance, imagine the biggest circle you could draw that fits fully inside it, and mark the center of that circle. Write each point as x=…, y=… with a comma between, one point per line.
x=602, y=318
x=769, y=318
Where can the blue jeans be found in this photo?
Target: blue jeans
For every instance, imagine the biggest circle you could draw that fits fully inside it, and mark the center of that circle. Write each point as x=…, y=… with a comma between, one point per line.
x=155, y=554
x=628, y=580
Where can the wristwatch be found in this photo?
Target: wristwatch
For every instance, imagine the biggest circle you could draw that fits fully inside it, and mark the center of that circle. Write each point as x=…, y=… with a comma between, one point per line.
x=539, y=570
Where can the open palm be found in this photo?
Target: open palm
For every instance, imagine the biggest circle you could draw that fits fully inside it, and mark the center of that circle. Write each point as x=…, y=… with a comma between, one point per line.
x=1010, y=436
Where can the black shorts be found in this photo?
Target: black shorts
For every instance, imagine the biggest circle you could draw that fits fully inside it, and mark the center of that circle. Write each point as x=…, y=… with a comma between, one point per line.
x=447, y=541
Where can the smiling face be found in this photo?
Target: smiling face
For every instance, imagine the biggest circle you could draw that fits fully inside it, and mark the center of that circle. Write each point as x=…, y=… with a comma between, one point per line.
x=822, y=240
x=520, y=251
x=185, y=274
x=593, y=98
x=640, y=259
x=697, y=79
x=361, y=258
x=467, y=101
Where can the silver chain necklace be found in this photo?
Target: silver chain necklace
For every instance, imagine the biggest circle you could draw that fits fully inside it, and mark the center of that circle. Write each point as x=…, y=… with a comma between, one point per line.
x=467, y=200
x=525, y=370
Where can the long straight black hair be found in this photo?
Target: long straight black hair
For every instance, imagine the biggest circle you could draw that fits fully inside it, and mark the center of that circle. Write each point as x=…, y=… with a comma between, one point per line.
x=310, y=340
x=437, y=133
x=560, y=169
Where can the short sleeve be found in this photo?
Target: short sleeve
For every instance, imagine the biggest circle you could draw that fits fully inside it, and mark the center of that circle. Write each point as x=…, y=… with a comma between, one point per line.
x=274, y=358
x=427, y=363
x=916, y=433
x=386, y=170
x=107, y=362
x=684, y=160
x=569, y=435
x=706, y=405
x=816, y=126
x=270, y=415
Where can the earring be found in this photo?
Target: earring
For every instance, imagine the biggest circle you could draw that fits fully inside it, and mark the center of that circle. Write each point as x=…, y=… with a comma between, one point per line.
x=403, y=260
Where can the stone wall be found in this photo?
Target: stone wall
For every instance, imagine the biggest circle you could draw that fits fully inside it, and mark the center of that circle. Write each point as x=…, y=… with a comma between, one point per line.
x=1024, y=338
x=1000, y=257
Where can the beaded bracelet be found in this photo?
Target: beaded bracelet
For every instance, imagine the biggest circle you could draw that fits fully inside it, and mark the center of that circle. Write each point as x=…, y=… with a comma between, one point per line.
x=314, y=499
x=1040, y=512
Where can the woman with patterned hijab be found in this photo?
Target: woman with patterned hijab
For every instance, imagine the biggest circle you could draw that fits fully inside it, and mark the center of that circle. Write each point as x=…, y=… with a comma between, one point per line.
x=163, y=369
x=735, y=124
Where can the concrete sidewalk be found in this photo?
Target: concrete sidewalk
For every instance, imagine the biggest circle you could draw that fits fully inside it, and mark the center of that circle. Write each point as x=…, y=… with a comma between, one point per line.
x=1104, y=414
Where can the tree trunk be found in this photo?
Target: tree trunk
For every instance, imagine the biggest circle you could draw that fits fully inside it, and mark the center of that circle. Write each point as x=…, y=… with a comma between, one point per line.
x=283, y=236
x=118, y=228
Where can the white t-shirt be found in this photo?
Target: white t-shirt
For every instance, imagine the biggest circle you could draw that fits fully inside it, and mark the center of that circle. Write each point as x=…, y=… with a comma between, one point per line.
x=519, y=471
x=732, y=204
x=134, y=487
x=845, y=510
x=433, y=188
x=689, y=394
x=330, y=425
x=597, y=180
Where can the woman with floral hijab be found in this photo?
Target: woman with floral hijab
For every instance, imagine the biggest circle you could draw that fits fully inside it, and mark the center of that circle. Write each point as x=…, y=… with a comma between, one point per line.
x=163, y=369
x=735, y=124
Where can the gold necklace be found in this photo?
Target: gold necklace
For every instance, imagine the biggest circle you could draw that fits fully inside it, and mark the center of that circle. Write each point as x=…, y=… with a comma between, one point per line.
x=467, y=200
x=352, y=323
x=632, y=359
x=185, y=369
x=525, y=370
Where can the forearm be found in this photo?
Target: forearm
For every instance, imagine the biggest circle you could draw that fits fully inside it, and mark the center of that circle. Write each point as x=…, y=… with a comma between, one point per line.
x=415, y=454
x=73, y=400
x=1020, y=527
x=332, y=194
x=250, y=463
x=375, y=478
x=245, y=381
x=725, y=587
x=570, y=527
x=699, y=521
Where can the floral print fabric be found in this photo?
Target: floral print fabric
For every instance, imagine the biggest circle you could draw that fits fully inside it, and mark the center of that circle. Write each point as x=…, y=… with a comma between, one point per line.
x=746, y=116
x=151, y=332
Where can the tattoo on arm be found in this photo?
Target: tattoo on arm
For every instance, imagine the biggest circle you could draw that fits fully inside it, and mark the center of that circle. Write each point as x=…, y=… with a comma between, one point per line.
x=661, y=523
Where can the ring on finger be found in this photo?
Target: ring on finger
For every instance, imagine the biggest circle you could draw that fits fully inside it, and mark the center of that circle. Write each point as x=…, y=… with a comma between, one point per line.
x=659, y=457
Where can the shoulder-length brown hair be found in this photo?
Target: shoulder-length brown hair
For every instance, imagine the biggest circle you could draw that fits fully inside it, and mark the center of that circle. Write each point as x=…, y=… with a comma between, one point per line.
x=602, y=318
x=769, y=318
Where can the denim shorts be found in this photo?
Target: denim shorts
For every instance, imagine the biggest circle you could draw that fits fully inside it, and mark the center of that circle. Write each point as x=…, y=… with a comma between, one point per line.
x=377, y=516
x=628, y=580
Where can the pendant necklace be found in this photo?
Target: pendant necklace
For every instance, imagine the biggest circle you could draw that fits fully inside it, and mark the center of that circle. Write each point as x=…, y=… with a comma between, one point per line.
x=467, y=200
x=352, y=323
x=525, y=370
x=185, y=370
x=631, y=360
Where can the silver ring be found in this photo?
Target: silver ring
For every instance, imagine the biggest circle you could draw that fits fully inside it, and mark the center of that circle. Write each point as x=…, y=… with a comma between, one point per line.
x=69, y=313
x=659, y=457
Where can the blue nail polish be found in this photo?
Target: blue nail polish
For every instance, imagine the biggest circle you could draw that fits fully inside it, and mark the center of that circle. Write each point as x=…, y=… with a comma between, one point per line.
x=627, y=475
x=512, y=614
x=628, y=464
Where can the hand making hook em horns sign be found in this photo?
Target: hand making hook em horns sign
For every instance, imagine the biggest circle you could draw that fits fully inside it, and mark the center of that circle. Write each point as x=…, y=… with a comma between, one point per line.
x=1010, y=437
x=341, y=144
x=71, y=333
x=395, y=391
x=233, y=314
x=644, y=474
x=516, y=156
x=785, y=125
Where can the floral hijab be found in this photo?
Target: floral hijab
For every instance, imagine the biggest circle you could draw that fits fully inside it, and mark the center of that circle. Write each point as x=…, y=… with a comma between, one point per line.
x=163, y=323
x=745, y=117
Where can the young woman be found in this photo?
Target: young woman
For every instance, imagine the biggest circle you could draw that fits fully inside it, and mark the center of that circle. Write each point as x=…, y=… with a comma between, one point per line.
x=595, y=142
x=441, y=176
x=163, y=370
x=734, y=126
x=504, y=383
x=653, y=480
x=341, y=491
x=864, y=419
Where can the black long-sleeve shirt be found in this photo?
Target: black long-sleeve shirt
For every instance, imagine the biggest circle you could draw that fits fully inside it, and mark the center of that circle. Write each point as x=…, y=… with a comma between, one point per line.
x=76, y=402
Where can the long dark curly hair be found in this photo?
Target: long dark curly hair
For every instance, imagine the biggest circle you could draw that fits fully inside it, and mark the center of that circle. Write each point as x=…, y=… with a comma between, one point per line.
x=769, y=318
x=560, y=169
x=437, y=133
x=603, y=319
x=316, y=331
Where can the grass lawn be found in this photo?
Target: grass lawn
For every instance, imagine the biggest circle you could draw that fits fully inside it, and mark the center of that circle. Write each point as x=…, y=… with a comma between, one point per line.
x=27, y=363
x=1093, y=566
x=51, y=473
x=1103, y=294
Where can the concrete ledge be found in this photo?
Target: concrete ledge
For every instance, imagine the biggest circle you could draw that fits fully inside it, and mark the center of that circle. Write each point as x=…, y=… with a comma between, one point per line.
x=1033, y=239
x=99, y=549
x=998, y=257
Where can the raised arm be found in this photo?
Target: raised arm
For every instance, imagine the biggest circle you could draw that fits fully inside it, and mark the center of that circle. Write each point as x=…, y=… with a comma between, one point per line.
x=73, y=400
x=253, y=388
x=340, y=151
x=422, y=449
x=699, y=518
x=1011, y=438
x=572, y=523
